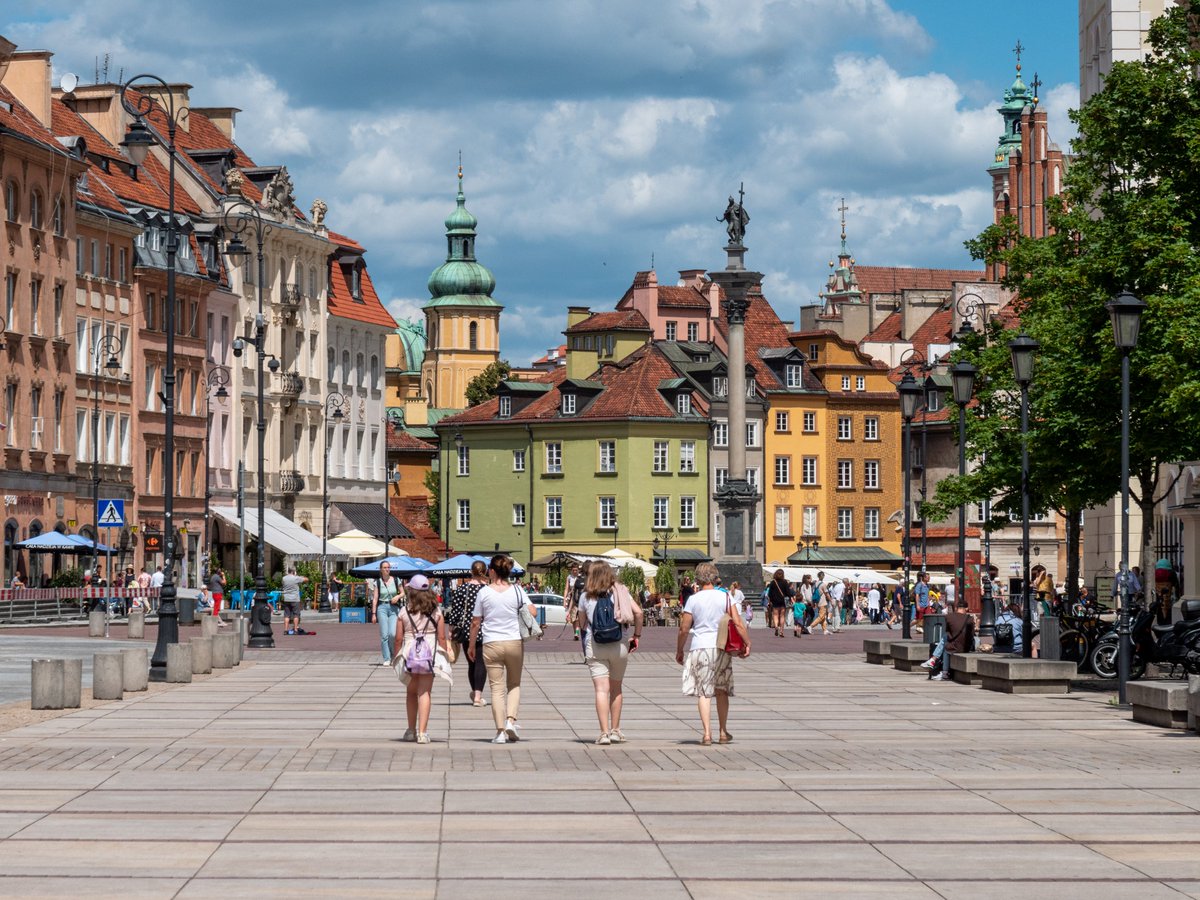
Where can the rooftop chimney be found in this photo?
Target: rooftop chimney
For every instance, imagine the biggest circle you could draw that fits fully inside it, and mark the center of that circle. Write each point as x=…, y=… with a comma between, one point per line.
x=224, y=117
x=28, y=77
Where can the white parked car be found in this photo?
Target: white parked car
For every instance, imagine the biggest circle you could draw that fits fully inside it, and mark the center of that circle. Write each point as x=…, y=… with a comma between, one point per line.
x=551, y=608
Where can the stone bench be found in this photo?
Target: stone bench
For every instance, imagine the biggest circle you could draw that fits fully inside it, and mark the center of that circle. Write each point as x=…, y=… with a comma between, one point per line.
x=879, y=650
x=964, y=667
x=1014, y=675
x=1160, y=703
x=1193, y=716
x=907, y=656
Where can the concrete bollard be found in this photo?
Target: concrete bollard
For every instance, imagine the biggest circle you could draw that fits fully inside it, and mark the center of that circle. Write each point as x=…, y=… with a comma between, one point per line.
x=225, y=651
x=179, y=663
x=208, y=626
x=137, y=624
x=72, y=683
x=1193, y=721
x=243, y=628
x=47, y=678
x=135, y=669
x=108, y=679
x=96, y=623
x=202, y=655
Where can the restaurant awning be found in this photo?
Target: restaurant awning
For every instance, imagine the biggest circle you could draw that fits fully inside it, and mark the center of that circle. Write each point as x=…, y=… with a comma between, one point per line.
x=282, y=533
x=369, y=518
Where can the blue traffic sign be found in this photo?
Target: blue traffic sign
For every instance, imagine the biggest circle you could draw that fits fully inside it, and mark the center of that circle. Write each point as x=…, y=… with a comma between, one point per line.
x=110, y=513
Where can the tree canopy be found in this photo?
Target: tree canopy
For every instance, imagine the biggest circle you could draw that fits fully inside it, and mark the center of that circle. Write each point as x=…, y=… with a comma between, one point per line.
x=483, y=386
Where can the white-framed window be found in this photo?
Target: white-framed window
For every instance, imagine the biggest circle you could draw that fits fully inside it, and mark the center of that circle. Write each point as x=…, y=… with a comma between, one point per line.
x=662, y=460
x=518, y=460
x=871, y=523
x=793, y=375
x=683, y=404
x=554, y=458
x=810, y=422
x=783, y=470
x=752, y=433
x=518, y=516
x=860, y=383
x=59, y=399
x=662, y=512
x=720, y=434
x=464, y=515
x=608, y=456
x=808, y=471
x=35, y=306
x=845, y=382
x=59, y=291
x=687, y=456
x=672, y=330
x=752, y=476
x=125, y=457
x=608, y=512
x=35, y=418
x=687, y=512
x=505, y=409
x=751, y=391
x=845, y=428
x=845, y=522
x=871, y=428
x=58, y=218
x=933, y=401
x=976, y=513
x=781, y=421
x=554, y=512
x=871, y=474
x=720, y=386
x=1039, y=517
x=845, y=473
x=568, y=404
x=810, y=520
x=10, y=301
x=464, y=460
x=783, y=521
x=693, y=331
x=720, y=476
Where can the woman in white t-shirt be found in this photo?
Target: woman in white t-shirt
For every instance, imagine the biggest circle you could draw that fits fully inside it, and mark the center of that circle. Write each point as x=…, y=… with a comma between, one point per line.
x=497, y=616
x=708, y=669
x=607, y=661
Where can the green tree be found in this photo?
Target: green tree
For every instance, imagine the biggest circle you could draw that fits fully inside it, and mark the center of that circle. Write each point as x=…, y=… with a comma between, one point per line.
x=483, y=386
x=434, y=485
x=1127, y=218
x=664, y=578
x=633, y=578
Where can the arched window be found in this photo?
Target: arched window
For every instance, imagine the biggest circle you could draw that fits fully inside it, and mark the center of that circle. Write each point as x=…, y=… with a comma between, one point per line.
x=331, y=368
x=375, y=384
x=473, y=341
x=11, y=204
x=35, y=209
x=345, y=367
x=362, y=370
x=312, y=282
x=429, y=392
x=58, y=217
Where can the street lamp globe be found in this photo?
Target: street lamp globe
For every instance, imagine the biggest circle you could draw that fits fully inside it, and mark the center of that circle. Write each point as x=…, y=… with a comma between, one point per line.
x=962, y=377
x=113, y=365
x=237, y=252
x=911, y=396
x=138, y=141
x=1023, y=349
x=1126, y=311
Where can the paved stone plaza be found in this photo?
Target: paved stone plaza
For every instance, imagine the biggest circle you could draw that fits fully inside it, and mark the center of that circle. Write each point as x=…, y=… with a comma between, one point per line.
x=286, y=778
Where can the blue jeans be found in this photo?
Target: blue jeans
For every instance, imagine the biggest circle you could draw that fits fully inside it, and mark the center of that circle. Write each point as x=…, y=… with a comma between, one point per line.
x=387, y=615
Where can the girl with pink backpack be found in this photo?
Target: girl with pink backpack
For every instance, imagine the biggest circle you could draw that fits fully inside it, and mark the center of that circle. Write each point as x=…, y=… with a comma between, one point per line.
x=420, y=631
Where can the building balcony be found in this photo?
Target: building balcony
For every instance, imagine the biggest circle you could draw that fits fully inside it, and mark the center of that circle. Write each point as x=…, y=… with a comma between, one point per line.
x=291, y=295
x=291, y=385
x=291, y=482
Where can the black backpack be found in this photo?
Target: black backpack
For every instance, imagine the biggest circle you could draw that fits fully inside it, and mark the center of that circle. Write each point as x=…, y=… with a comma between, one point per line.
x=1004, y=637
x=603, y=621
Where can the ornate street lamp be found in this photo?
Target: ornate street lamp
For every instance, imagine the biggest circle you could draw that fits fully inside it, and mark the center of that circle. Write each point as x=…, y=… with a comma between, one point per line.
x=962, y=379
x=238, y=217
x=911, y=395
x=1024, y=349
x=109, y=347
x=335, y=404
x=138, y=103
x=808, y=546
x=1126, y=311
x=218, y=377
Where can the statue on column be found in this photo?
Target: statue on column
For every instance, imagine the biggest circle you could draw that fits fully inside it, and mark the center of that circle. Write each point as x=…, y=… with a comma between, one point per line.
x=735, y=218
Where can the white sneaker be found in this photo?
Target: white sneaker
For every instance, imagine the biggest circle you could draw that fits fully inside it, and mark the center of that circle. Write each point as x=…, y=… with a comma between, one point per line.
x=511, y=729
x=604, y=740
x=942, y=677
x=501, y=738
x=410, y=735
x=928, y=664
x=422, y=739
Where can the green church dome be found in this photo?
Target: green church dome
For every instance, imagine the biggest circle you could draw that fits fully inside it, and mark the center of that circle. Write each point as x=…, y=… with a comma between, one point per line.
x=461, y=280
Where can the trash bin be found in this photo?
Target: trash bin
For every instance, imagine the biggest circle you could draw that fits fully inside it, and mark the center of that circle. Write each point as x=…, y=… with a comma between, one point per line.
x=935, y=627
x=1050, y=643
x=187, y=610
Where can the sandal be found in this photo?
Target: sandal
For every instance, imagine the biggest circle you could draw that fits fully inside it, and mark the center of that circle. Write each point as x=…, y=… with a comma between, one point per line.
x=726, y=738
x=706, y=741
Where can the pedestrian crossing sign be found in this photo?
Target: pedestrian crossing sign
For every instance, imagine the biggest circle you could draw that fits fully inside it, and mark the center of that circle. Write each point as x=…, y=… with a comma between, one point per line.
x=111, y=513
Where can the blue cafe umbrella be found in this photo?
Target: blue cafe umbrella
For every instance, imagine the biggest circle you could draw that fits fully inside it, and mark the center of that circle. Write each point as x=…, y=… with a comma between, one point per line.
x=401, y=566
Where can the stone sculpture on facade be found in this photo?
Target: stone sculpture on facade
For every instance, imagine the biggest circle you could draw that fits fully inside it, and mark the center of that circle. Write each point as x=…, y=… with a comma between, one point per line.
x=234, y=179
x=278, y=196
x=318, y=211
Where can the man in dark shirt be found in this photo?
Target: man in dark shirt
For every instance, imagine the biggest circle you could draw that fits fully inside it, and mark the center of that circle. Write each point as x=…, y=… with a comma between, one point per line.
x=960, y=635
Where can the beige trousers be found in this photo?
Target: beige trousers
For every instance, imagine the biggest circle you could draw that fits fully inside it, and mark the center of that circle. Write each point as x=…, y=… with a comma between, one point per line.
x=504, y=660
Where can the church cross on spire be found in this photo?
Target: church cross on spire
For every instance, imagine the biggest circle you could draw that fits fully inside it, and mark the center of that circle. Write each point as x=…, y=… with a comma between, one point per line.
x=1035, y=84
x=1019, y=49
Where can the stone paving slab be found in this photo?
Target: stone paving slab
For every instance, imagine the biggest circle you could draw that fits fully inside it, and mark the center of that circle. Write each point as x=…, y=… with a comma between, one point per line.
x=289, y=779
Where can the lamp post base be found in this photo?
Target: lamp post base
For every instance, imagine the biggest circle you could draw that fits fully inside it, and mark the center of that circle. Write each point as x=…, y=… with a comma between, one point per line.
x=261, y=637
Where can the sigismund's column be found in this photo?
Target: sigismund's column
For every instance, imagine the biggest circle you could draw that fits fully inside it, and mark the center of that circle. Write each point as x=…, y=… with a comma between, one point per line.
x=737, y=498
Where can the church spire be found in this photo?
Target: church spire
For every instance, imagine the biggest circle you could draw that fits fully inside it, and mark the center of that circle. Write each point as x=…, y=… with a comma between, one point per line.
x=842, y=286
x=1016, y=98
x=461, y=280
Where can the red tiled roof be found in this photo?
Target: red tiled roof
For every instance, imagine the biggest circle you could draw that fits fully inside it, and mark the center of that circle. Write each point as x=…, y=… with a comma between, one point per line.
x=934, y=330
x=893, y=279
x=556, y=355
x=340, y=304
x=681, y=297
x=630, y=391
x=888, y=330
x=622, y=320
x=402, y=441
x=764, y=330
x=24, y=123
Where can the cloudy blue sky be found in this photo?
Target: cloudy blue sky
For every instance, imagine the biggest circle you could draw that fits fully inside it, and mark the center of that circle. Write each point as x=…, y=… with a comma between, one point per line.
x=599, y=133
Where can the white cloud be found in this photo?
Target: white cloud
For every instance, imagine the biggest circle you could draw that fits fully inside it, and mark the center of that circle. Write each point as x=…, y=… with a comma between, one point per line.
x=409, y=308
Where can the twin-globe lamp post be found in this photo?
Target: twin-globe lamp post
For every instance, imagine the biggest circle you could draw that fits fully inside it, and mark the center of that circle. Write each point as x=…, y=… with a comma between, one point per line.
x=1126, y=312
x=335, y=404
x=912, y=393
x=1023, y=350
x=962, y=381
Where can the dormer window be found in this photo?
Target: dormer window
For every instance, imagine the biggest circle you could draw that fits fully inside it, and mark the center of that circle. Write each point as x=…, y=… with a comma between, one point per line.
x=720, y=386
x=505, y=406
x=587, y=342
x=794, y=375
x=933, y=401
x=568, y=404
x=356, y=283
x=683, y=404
